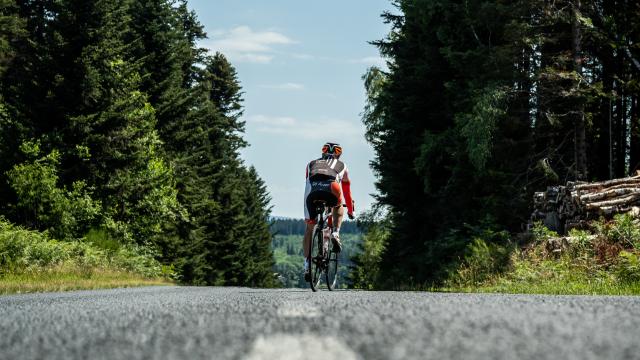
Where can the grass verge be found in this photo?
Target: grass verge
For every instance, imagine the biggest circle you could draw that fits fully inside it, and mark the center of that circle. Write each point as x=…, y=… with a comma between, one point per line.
x=52, y=280
x=601, y=260
x=551, y=287
x=30, y=261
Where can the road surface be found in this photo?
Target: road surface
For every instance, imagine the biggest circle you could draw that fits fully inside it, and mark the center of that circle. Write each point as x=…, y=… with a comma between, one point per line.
x=239, y=323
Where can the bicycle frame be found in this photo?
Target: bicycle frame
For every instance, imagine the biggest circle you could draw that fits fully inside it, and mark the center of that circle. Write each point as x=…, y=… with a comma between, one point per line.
x=325, y=259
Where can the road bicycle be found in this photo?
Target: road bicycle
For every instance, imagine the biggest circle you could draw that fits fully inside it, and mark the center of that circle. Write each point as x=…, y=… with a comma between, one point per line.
x=323, y=260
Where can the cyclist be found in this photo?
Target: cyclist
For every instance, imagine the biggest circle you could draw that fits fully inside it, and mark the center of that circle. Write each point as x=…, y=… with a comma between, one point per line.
x=327, y=178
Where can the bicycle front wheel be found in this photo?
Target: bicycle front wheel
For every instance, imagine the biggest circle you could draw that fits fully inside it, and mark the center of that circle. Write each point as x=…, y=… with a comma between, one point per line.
x=316, y=263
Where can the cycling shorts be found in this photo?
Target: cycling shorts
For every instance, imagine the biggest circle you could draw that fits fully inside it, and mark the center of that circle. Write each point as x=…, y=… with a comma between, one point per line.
x=328, y=191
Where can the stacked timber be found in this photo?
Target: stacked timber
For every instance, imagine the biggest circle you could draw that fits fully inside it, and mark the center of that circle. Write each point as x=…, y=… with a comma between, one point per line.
x=609, y=197
x=565, y=207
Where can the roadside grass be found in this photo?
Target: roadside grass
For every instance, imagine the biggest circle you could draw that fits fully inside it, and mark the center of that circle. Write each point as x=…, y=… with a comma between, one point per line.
x=562, y=288
x=565, y=283
x=30, y=261
x=64, y=279
x=601, y=260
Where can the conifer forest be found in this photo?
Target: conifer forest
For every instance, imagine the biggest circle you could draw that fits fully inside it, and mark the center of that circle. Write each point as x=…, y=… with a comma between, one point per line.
x=115, y=125
x=483, y=103
x=117, y=128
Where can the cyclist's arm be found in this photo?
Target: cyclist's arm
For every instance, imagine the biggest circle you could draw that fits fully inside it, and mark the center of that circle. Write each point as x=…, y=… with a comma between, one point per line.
x=346, y=190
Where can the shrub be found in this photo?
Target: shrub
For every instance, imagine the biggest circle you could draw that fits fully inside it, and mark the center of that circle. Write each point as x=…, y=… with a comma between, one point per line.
x=541, y=232
x=25, y=250
x=482, y=261
x=367, y=263
x=46, y=206
x=625, y=230
x=137, y=259
x=628, y=268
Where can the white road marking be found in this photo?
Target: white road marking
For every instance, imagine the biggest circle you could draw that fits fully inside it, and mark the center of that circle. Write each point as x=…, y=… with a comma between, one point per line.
x=303, y=346
x=298, y=309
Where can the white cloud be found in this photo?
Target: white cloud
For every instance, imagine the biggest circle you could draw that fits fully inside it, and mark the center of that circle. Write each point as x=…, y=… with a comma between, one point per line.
x=303, y=56
x=246, y=45
x=251, y=58
x=371, y=61
x=286, y=86
x=316, y=129
x=267, y=121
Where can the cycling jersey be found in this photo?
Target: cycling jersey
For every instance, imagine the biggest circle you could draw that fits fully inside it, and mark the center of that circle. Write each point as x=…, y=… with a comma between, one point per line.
x=328, y=180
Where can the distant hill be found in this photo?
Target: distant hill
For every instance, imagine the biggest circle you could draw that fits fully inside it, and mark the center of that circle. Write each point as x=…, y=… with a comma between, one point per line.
x=288, y=226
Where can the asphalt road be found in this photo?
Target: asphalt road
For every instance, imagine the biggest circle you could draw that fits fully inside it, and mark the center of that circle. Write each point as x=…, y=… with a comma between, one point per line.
x=237, y=323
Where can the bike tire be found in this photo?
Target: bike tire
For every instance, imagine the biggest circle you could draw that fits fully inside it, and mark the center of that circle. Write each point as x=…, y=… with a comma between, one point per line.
x=332, y=271
x=316, y=261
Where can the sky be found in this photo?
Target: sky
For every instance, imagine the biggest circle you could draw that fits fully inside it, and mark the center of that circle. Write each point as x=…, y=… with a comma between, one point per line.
x=300, y=65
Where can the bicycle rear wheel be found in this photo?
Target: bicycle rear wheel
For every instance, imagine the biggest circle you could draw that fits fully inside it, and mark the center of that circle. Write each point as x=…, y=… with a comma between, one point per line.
x=316, y=265
x=332, y=270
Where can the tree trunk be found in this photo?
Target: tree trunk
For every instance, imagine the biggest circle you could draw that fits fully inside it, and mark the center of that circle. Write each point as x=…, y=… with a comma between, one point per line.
x=634, y=151
x=619, y=124
x=580, y=129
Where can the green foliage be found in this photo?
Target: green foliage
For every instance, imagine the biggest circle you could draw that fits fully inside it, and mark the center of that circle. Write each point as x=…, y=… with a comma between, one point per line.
x=453, y=108
x=228, y=237
x=623, y=229
x=287, y=250
x=481, y=261
x=585, y=262
x=541, y=232
x=297, y=226
x=485, y=102
x=11, y=29
x=102, y=239
x=289, y=267
x=366, y=273
x=479, y=126
x=628, y=269
x=130, y=135
x=27, y=250
x=66, y=213
x=582, y=242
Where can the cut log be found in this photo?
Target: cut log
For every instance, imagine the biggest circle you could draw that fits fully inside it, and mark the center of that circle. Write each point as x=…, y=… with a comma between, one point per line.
x=625, y=200
x=608, y=194
x=635, y=180
x=580, y=202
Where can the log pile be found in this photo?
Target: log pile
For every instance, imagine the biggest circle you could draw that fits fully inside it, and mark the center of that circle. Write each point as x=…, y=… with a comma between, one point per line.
x=564, y=207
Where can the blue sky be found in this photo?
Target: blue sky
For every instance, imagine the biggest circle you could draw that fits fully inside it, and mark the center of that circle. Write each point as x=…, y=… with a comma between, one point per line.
x=300, y=65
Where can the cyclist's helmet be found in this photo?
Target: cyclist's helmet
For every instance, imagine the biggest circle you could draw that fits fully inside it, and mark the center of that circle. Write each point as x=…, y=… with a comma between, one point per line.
x=331, y=150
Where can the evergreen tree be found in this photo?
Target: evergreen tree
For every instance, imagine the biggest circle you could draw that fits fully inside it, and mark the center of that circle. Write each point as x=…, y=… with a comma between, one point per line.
x=94, y=114
x=128, y=126
x=485, y=102
x=12, y=33
x=441, y=121
x=229, y=238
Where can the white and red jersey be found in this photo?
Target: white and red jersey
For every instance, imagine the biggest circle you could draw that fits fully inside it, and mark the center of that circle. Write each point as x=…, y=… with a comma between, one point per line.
x=331, y=169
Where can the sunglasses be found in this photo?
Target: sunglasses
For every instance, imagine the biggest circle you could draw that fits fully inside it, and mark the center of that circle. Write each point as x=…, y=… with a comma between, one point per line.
x=332, y=149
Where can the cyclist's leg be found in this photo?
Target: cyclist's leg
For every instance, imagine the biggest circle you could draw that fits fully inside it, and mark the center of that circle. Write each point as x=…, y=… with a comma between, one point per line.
x=306, y=241
x=337, y=214
x=310, y=219
x=338, y=210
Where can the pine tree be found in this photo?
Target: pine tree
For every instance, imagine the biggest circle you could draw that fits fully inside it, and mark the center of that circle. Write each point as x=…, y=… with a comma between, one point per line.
x=12, y=33
x=256, y=235
x=485, y=102
x=450, y=126
x=132, y=119
x=94, y=114
x=230, y=242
